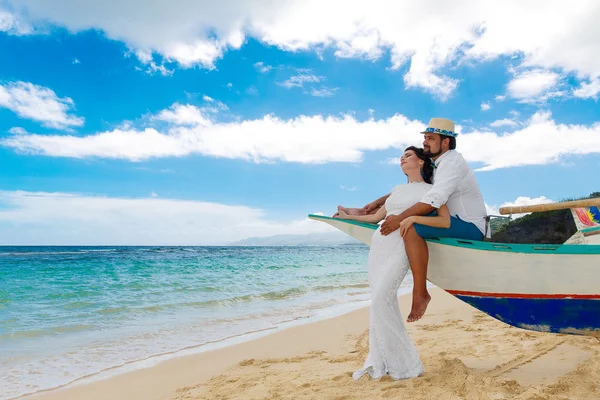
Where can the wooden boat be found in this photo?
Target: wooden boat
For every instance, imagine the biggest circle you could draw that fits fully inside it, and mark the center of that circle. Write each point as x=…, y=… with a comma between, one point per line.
x=547, y=288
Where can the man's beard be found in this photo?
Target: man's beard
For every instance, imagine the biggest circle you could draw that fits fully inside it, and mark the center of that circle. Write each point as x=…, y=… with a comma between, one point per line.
x=428, y=153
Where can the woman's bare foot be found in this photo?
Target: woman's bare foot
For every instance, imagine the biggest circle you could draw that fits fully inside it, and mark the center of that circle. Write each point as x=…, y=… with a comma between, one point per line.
x=419, y=306
x=352, y=211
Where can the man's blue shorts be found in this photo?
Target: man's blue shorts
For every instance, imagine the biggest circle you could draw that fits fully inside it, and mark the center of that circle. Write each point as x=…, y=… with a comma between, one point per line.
x=459, y=229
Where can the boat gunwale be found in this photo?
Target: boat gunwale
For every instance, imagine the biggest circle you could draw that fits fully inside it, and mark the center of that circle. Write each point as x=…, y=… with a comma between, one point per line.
x=550, y=249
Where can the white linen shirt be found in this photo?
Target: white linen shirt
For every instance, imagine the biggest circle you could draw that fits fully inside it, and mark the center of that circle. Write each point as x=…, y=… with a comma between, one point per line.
x=454, y=184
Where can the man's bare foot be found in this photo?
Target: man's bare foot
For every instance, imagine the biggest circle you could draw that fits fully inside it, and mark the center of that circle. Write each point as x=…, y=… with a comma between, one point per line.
x=419, y=305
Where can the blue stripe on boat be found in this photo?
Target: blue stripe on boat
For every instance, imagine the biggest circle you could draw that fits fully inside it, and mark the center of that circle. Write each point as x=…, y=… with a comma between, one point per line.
x=545, y=315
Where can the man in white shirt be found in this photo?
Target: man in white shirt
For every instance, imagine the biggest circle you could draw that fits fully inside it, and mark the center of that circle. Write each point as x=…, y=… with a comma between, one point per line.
x=454, y=184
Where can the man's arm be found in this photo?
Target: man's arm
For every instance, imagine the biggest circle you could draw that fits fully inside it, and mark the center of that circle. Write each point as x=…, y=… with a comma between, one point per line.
x=392, y=222
x=376, y=204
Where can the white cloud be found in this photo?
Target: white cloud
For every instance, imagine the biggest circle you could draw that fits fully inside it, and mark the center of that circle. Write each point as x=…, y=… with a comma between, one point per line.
x=17, y=130
x=161, y=69
x=545, y=35
x=262, y=67
x=312, y=139
x=323, y=92
x=184, y=115
x=39, y=104
x=520, y=201
x=500, y=98
x=588, y=89
x=13, y=24
x=533, y=86
x=305, y=139
x=300, y=80
x=491, y=210
x=208, y=99
x=153, y=194
x=514, y=113
x=348, y=188
x=540, y=141
x=26, y=218
x=306, y=79
x=503, y=122
x=485, y=106
x=76, y=61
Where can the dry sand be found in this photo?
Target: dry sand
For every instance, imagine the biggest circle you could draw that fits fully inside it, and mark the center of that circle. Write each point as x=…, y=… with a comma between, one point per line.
x=466, y=354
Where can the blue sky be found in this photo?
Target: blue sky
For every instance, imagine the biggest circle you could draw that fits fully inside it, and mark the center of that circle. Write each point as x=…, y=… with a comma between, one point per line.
x=155, y=126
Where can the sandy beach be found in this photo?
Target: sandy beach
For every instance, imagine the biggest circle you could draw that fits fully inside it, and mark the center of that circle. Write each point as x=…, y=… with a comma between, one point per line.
x=466, y=354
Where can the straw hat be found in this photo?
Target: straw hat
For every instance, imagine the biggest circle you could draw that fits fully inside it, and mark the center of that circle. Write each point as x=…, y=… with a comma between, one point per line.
x=441, y=126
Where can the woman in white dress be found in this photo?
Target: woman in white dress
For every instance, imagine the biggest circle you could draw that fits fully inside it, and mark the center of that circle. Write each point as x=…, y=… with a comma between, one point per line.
x=391, y=351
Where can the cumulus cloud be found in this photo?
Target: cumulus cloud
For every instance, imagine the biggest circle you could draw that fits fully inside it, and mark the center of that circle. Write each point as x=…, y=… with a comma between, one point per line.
x=187, y=114
x=503, y=122
x=94, y=220
x=310, y=139
x=485, y=106
x=534, y=86
x=13, y=24
x=305, y=139
x=520, y=201
x=588, y=89
x=17, y=130
x=197, y=33
x=39, y=104
x=539, y=141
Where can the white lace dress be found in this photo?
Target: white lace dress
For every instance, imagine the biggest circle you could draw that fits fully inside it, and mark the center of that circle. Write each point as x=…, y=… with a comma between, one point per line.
x=391, y=351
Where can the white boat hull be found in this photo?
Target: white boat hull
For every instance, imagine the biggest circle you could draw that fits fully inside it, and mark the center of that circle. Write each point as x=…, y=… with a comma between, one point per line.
x=550, y=288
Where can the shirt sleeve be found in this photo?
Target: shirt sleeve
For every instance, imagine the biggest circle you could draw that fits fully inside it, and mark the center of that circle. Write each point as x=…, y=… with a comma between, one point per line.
x=447, y=179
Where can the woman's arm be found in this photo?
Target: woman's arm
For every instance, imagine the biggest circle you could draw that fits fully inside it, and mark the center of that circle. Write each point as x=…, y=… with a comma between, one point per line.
x=442, y=220
x=372, y=218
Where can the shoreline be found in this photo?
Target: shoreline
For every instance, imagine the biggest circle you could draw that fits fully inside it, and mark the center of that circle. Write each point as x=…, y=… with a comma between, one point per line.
x=466, y=354
x=322, y=314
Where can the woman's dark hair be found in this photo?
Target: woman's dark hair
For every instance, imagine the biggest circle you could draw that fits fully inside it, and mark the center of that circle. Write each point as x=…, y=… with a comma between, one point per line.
x=427, y=171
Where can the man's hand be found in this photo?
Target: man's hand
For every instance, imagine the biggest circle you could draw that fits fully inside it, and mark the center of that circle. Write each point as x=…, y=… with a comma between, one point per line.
x=371, y=207
x=391, y=223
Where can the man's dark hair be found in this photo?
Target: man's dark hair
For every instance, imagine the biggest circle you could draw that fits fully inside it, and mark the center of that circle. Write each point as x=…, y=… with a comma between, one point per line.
x=452, y=144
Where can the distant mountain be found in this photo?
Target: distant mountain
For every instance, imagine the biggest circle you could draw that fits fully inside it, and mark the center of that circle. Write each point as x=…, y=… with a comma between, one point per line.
x=313, y=239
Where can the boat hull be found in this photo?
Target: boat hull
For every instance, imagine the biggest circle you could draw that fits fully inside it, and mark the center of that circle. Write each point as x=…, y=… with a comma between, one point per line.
x=547, y=288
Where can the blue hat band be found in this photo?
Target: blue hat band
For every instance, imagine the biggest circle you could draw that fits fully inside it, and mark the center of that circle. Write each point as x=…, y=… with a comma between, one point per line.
x=441, y=132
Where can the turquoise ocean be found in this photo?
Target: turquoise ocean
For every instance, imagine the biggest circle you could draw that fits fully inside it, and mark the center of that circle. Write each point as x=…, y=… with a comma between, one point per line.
x=75, y=314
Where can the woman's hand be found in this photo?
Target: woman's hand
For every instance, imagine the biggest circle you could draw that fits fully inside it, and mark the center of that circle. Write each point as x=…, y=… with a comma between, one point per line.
x=405, y=225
